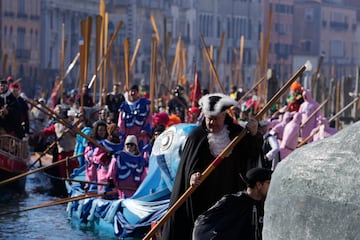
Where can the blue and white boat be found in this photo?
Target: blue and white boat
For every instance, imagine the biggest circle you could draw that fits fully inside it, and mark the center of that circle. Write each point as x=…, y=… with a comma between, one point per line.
x=131, y=218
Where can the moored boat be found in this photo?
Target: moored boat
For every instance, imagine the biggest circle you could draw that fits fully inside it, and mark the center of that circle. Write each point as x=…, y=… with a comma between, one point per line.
x=14, y=159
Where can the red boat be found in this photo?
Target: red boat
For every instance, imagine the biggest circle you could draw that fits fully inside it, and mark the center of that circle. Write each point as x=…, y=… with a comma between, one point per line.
x=14, y=158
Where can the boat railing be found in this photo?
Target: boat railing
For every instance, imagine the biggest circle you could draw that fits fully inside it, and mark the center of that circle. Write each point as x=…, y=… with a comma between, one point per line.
x=14, y=147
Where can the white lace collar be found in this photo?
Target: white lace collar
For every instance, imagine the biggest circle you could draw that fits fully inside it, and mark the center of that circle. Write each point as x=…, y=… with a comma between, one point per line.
x=218, y=141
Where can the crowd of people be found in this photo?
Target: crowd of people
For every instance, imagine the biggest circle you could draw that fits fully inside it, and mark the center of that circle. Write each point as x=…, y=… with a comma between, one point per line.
x=124, y=129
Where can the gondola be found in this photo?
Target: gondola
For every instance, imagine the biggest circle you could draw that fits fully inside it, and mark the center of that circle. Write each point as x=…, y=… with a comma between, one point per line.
x=131, y=218
x=14, y=160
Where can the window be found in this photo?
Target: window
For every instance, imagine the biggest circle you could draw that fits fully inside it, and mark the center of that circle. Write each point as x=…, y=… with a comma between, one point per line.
x=309, y=14
x=337, y=48
x=305, y=45
x=21, y=38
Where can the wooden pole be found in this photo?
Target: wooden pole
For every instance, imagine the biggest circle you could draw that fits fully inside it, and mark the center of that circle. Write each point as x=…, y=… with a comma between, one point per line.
x=218, y=59
x=43, y=154
x=315, y=112
x=68, y=70
x=241, y=53
x=126, y=61
x=6, y=181
x=133, y=58
x=304, y=141
x=107, y=52
x=102, y=7
x=212, y=64
x=98, y=42
x=62, y=61
x=105, y=45
x=316, y=75
x=62, y=201
x=337, y=103
x=221, y=156
x=153, y=23
x=45, y=109
x=153, y=72
x=211, y=78
x=251, y=89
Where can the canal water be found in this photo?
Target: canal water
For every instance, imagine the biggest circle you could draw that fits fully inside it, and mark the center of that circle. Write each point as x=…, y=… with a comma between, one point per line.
x=44, y=223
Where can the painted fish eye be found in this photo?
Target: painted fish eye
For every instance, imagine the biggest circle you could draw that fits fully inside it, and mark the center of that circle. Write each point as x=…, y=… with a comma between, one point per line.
x=167, y=140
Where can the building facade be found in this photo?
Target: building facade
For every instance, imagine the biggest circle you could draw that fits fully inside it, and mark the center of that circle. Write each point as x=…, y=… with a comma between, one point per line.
x=20, y=40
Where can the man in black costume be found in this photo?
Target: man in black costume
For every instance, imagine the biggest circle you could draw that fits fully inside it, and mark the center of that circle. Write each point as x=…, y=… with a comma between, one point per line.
x=9, y=111
x=237, y=216
x=201, y=148
x=113, y=101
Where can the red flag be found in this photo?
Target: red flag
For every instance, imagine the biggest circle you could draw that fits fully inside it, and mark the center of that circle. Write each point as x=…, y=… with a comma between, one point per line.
x=195, y=93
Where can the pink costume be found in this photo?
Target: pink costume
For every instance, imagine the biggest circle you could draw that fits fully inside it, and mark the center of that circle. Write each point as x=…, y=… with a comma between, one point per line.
x=127, y=171
x=90, y=165
x=102, y=159
x=291, y=136
x=323, y=130
x=306, y=109
x=278, y=129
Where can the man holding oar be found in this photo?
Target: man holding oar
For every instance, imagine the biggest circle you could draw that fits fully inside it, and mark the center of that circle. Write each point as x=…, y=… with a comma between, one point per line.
x=201, y=147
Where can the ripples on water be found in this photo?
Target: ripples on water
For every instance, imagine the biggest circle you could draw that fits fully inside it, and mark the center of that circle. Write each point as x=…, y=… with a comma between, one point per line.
x=44, y=223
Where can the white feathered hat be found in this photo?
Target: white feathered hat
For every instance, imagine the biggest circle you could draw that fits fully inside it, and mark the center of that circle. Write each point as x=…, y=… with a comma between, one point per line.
x=215, y=103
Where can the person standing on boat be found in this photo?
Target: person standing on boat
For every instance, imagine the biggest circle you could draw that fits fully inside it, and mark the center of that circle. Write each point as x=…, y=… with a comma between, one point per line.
x=323, y=130
x=9, y=111
x=306, y=109
x=65, y=141
x=278, y=129
x=127, y=168
x=102, y=158
x=113, y=102
x=202, y=146
x=291, y=136
x=135, y=117
x=23, y=107
x=99, y=134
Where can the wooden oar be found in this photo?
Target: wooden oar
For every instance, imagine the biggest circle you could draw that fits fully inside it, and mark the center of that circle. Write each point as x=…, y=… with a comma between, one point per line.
x=315, y=112
x=43, y=154
x=212, y=67
x=304, y=141
x=251, y=89
x=222, y=156
x=61, y=201
x=45, y=109
x=255, y=86
x=106, y=54
x=38, y=169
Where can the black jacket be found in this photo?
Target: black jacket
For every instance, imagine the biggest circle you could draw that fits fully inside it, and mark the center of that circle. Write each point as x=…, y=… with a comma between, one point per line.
x=196, y=157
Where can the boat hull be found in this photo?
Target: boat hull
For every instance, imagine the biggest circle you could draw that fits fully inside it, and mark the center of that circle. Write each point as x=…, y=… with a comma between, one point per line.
x=14, y=160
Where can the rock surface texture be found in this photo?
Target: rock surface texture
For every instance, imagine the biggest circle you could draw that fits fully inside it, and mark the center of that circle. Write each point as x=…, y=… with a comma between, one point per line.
x=315, y=192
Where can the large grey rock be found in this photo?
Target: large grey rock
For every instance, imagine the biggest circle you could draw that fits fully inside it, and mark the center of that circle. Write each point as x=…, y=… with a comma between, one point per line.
x=315, y=192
